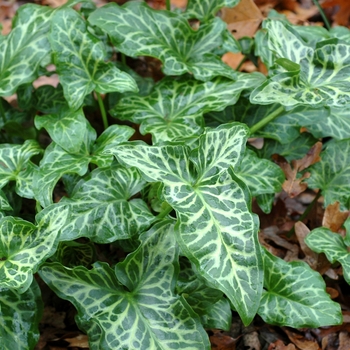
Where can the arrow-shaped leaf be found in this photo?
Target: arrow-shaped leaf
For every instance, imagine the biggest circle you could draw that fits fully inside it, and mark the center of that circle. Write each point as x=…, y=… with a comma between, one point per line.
x=304, y=75
x=20, y=314
x=215, y=229
x=175, y=108
x=260, y=175
x=101, y=208
x=24, y=246
x=67, y=128
x=86, y=70
x=331, y=174
x=295, y=296
x=15, y=165
x=138, y=30
x=57, y=162
x=135, y=305
x=323, y=240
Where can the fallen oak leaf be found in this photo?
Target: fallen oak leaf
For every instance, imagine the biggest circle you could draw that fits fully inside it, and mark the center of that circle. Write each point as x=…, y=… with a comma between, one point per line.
x=243, y=19
x=341, y=17
x=294, y=185
x=333, y=217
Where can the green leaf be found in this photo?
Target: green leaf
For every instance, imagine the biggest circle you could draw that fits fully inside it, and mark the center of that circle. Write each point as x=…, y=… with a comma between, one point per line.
x=135, y=305
x=50, y=99
x=138, y=30
x=319, y=76
x=331, y=174
x=215, y=229
x=324, y=122
x=175, y=108
x=86, y=70
x=73, y=254
x=101, y=208
x=260, y=175
x=292, y=150
x=208, y=303
x=67, y=128
x=20, y=314
x=4, y=203
x=323, y=240
x=265, y=202
x=205, y=10
x=15, y=165
x=295, y=296
x=57, y=162
x=24, y=48
x=24, y=246
x=282, y=129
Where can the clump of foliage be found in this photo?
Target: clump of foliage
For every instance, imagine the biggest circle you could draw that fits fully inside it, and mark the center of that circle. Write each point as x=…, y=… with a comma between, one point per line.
x=180, y=208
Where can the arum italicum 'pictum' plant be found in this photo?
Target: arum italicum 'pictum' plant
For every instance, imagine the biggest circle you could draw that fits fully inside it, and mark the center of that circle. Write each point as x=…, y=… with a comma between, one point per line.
x=181, y=207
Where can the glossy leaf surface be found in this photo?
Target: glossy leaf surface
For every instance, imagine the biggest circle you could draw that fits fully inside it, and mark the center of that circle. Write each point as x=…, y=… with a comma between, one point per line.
x=80, y=60
x=57, y=162
x=260, y=175
x=323, y=240
x=135, y=305
x=101, y=208
x=295, y=296
x=20, y=314
x=175, y=108
x=303, y=74
x=215, y=229
x=24, y=246
x=66, y=128
x=16, y=166
x=331, y=174
x=138, y=30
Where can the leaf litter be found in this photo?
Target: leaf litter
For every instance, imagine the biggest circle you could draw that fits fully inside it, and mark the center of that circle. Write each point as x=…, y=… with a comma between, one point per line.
x=276, y=226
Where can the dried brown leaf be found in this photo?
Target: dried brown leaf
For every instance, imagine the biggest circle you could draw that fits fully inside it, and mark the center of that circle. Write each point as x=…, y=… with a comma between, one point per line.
x=300, y=341
x=279, y=345
x=344, y=341
x=301, y=231
x=294, y=185
x=243, y=19
x=333, y=217
x=342, y=16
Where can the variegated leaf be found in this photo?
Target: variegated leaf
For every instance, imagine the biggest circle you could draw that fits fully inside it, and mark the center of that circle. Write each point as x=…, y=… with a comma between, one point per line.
x=291, y=150
x=331, y=173
x=215, y=229
x=22, y=51
x=49, y=99
x=175, y=108
x=20, y=314
x=323, y=122
x=67, y=128
x=323, y=240
x=57, y=162
x=15, y=165
x=101, y=208
x=135, y=305
x=138, y=30
x=295, y=296
x=24, y=246
x=204, y=10
x=71, y=254
x=208, y=303
x=86, y=70
x=26, y=47
x=265, y=202
x=260, y=175
x=4, y=203
x=305, y=75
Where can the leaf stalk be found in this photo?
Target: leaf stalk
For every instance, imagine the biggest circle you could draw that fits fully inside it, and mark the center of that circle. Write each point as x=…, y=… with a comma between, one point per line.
x=164, y=213
x=103, y=110
x=168, y=5
x=320, y=9
x=267, y=120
